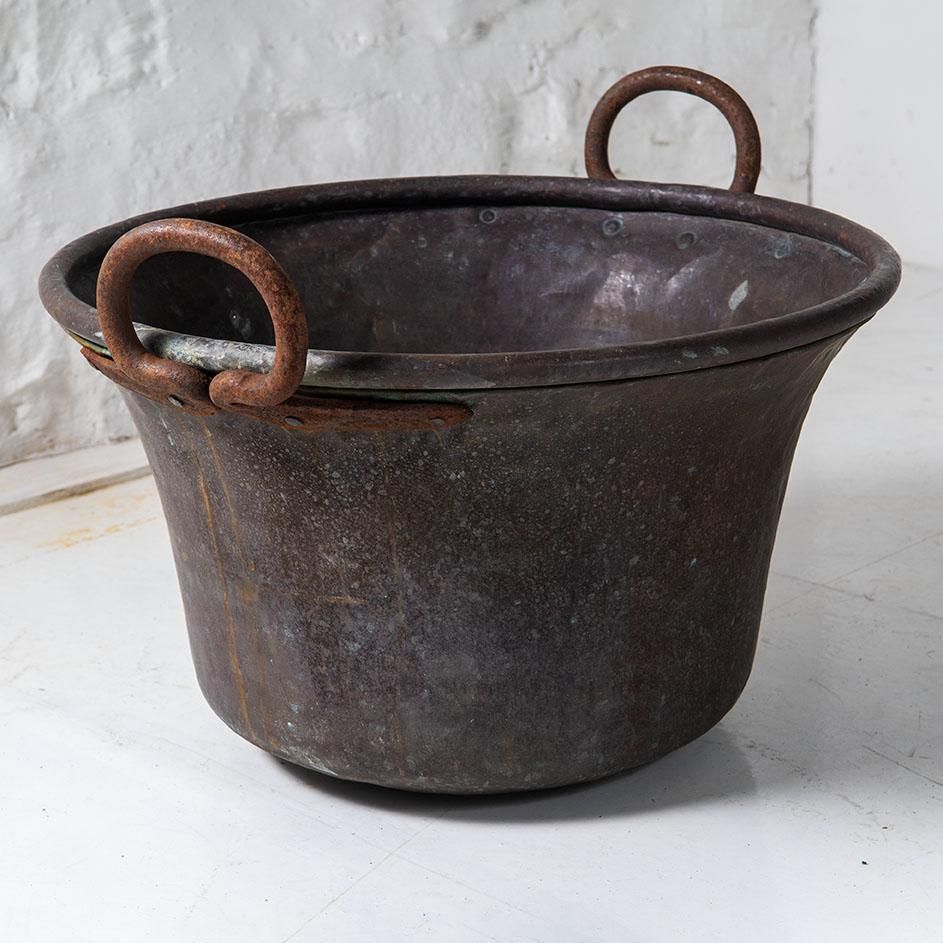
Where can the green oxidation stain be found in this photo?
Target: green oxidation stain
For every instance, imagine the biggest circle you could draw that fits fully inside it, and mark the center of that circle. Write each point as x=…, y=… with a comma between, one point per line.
x=738, y=294
x=170, y=438
x=838, y=250
x=782, y=247
x=322, y=768
x=719, y=351
x=690, y=354
x=316, y=763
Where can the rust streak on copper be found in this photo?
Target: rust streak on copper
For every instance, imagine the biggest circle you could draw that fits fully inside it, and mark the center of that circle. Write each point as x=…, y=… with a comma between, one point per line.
x=224, y=589
x=248, y=590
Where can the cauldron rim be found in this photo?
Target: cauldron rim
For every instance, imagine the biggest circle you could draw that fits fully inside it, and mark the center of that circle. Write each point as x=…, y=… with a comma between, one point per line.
x=514, y=369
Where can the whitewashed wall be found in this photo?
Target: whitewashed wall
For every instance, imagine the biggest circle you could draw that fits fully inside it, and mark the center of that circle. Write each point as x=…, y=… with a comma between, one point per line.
x=115, y=107
x=878, y=122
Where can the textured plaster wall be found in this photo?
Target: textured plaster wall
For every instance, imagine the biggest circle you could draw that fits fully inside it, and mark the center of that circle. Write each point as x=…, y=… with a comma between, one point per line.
x=114, y=107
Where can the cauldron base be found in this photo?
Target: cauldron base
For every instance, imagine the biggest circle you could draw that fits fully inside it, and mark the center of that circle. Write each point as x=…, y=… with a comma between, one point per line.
x=306, y=766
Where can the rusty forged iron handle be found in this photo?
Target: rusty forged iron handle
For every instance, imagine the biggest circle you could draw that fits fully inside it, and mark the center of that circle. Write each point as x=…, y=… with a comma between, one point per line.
x=266, y=396
x=183, y=385
x=675, y=79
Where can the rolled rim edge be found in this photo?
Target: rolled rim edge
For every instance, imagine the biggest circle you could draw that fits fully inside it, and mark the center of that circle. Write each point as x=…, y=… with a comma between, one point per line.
x=447, y=371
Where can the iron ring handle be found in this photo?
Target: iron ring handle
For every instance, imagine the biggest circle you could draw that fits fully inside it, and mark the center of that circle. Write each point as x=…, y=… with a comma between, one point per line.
x=675, y=79
x=184, y=385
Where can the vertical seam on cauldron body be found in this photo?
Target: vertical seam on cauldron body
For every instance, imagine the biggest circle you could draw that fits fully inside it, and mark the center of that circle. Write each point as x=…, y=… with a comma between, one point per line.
x=248, y=597
x=231, y=625
x=399, y=617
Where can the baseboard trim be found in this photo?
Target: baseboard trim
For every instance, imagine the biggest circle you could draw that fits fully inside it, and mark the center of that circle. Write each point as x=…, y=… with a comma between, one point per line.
x=40, y=480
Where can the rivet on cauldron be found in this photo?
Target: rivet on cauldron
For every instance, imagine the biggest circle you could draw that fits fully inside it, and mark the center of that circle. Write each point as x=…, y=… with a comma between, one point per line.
x=488, y=216
x=293, y=421
x=175, y=401
x=612, y=226
x=686, y=240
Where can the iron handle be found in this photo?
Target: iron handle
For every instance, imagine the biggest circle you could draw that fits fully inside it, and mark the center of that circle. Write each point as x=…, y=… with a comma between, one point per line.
x=271, y=397
x=183, y=385
x=677, y=79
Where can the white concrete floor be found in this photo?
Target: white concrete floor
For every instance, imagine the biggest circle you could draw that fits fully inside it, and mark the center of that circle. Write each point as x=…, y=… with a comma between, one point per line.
x=814, y=811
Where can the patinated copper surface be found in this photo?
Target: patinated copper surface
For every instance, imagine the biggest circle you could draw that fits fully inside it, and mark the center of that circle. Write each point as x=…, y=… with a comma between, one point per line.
x=564, y=586
x=489, y=500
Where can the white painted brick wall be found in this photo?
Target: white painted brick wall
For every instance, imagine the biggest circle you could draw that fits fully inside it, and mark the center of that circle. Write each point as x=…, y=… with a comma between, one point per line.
x=115, y=107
